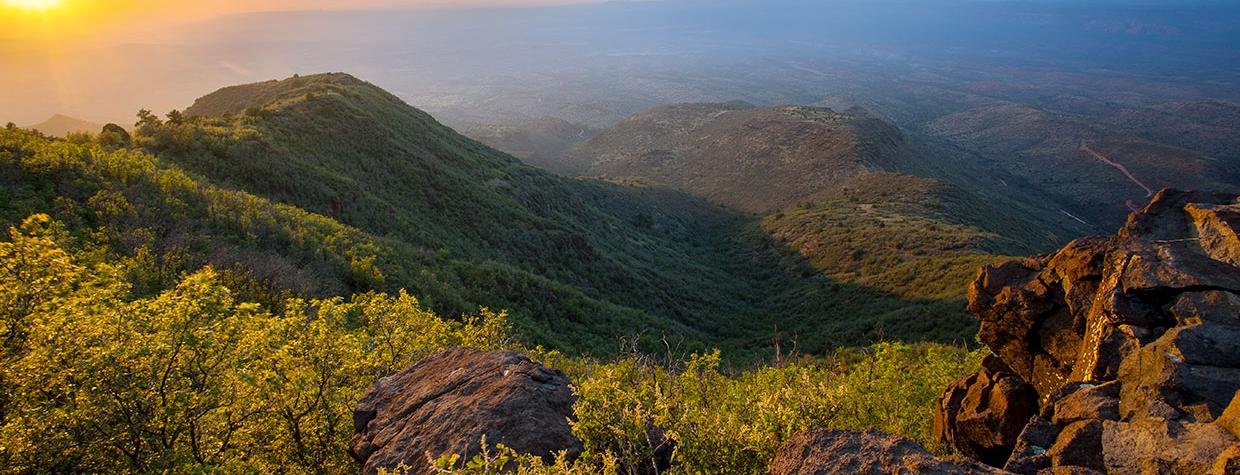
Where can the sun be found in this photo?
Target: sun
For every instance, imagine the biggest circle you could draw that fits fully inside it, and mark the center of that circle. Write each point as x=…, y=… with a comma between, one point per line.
x=36, y=5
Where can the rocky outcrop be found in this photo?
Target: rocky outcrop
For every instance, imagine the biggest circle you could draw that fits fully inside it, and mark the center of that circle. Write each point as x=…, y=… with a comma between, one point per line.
x=828, y=452
x=446, y=403
x=1128, y=345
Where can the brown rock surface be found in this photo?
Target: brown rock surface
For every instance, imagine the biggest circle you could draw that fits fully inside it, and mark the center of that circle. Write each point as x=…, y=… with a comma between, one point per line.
x=982, y=415
x=828, y=452
x=446, y=403
x=1131, y=344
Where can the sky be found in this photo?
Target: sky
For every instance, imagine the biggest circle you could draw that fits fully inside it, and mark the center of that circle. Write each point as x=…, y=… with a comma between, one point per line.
x=102, y=60
x=78, y=20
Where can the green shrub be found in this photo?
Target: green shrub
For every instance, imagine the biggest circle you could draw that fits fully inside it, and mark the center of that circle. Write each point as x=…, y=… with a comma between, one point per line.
x=93, y=379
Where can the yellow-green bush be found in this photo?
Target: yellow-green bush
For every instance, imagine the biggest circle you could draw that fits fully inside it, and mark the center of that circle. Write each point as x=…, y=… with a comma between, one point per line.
x=93, y=381
x=733, y=423
x=96, y=379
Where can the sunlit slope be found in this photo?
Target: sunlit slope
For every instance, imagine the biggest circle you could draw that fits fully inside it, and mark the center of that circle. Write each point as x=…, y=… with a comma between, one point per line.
x=748, y=158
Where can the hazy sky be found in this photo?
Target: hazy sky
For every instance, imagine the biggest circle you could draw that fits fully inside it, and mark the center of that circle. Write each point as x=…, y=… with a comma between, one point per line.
x=102, y=60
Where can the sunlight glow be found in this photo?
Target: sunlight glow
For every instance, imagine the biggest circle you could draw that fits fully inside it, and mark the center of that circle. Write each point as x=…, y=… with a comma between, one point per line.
x=38, y=5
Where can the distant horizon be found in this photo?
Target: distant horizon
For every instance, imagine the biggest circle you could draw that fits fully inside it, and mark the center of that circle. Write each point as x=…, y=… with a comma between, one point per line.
x=451, y=63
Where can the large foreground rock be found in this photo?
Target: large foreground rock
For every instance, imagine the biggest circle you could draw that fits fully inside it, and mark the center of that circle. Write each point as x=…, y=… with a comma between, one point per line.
x=829, y=452
x=1130, y=346
x=446, y=403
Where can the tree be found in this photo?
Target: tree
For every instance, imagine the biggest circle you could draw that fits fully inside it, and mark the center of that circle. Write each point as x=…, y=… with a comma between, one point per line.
x=147, y=122
x=114, y=136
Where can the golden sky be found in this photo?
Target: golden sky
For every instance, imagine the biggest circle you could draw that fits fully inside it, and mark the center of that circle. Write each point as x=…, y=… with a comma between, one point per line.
x=41, y=19
x=103, y=59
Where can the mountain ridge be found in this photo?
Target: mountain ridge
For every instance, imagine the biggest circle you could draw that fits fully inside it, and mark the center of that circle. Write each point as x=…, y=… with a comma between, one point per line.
x=345, y=149
x=60, y=125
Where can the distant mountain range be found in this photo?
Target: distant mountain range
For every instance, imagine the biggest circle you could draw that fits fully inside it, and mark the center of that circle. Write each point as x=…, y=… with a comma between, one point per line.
x=61, y=125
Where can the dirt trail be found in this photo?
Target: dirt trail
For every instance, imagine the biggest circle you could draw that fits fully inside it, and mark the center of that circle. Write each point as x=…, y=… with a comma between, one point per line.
x=1118, y=166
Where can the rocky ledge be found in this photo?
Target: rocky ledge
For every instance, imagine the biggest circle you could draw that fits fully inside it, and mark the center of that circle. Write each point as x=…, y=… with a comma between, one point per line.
x=1113, y=355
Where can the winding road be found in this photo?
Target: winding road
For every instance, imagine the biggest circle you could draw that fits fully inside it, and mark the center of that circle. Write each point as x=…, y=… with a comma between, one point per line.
x=1118, y=166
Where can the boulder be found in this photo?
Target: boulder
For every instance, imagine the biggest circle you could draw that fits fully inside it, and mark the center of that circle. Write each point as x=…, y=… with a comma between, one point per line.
x=449, y=401
x=1030, y=455
x=982, y=415
x=827, y=452
x=1130, y=345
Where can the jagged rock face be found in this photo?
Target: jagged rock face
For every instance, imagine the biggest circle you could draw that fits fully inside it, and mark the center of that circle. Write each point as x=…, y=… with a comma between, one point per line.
x=447, y=402
x=828, y=452
x=1131, y=345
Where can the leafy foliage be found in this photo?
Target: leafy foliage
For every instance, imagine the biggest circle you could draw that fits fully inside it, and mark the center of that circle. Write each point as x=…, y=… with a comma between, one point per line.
x=724, y=423
x=95, y=381
x=96, y=378
x=127, y=206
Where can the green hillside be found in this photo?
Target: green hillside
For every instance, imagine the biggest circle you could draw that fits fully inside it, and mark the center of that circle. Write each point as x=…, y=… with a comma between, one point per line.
x=326, y=185
x=216, y=291
x=913, y=237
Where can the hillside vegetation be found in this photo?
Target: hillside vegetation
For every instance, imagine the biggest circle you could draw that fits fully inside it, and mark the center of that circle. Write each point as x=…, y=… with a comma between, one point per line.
x=913, y=237
x=215, y=291
x=748, y=158
x=860, y=200
x=540, y=143
x=129, y=206
x=96, y=378
x=345, y=189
